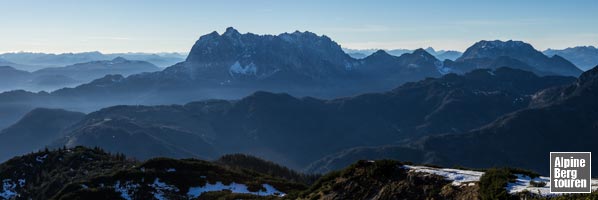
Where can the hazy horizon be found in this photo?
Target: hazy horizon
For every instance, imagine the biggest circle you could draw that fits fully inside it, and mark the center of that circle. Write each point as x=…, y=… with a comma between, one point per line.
x=220, y=32
x=94, y=51
x=186, y=52
x=173, y=26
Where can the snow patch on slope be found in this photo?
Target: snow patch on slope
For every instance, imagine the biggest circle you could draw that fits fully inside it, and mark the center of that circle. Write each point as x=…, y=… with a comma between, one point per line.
x=8, y=189
x=125, y=190
x=237, y=68
x=161, y=187
x=523, y=183
x=195, y=192
x=458, y=176
x=41, y=158
x=469, y=177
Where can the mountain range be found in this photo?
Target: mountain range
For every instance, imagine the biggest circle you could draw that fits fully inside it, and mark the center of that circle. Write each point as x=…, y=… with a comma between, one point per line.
x=425, y=121
x=53, y=78
x=439, y=54
x=584, y=57
x=561, y=119
x=279, y=126
x=6, y=63
x=516, y=54
x=35, y=61
x=192, y=130
x=232, y=65
x=558, y=119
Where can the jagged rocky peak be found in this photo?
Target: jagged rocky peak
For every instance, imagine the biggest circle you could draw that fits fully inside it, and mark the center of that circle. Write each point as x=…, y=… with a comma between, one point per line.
x=231, y=32
x=502, y=44
x=234, y=34
x=212, y=35
x=232, y=44
x=232, y=54
x=298, y=36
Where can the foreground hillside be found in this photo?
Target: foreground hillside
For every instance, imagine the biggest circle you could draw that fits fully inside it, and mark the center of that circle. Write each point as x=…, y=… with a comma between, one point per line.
x=82, y=173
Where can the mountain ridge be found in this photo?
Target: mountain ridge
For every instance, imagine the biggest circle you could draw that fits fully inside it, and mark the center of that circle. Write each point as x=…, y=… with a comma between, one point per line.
x=31, y=61
x=523, y=52
x=585, y=57
x=53, y=78
x=521, y=139
x=84, y=173
x=263, y=123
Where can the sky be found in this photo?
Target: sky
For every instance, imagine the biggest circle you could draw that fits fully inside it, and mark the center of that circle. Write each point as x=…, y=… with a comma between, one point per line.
x=110, y=26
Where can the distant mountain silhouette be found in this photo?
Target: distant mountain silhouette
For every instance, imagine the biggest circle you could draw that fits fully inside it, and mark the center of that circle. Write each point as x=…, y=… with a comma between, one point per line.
x=89, y=71
x=440, y=55
x=494, y=54
x=6, y=63
x=36, y=61
x=59, y=77
x=10, y=77
x=585, y=57
x=488, y=51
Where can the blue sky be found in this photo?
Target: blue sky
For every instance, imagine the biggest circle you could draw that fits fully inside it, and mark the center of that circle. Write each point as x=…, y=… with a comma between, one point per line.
x=174, y=25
